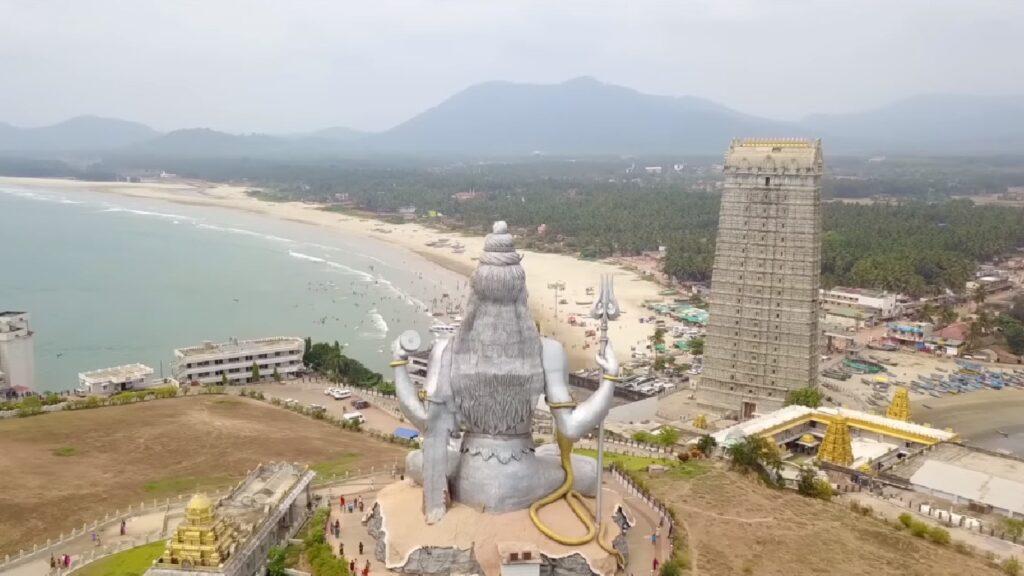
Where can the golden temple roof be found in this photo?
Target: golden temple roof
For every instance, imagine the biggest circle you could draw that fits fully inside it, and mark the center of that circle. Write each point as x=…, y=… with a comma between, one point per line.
x=199, y=503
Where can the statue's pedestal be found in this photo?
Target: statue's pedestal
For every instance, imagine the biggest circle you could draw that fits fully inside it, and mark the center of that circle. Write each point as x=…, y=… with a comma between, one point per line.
x=467, y=541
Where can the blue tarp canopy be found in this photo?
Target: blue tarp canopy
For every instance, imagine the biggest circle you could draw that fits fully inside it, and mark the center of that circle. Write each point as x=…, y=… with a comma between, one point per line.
x=406, y=433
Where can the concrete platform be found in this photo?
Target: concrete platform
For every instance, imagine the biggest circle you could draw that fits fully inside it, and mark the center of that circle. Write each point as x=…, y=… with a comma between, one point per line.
x=467, y=541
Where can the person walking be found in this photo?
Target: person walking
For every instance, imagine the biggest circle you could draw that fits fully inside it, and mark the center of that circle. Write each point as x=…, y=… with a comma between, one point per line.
x=654, y=565
x=341, y=549
x=366, y=569
x=352, y=567
x=360, y=547
x=53, y=563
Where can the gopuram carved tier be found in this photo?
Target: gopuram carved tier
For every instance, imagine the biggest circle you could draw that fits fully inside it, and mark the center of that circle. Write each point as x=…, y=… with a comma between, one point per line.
x=480, y=494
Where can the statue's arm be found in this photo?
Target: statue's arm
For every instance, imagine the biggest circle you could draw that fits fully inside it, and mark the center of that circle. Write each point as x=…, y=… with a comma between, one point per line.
x=408, y=400
x=578, y=421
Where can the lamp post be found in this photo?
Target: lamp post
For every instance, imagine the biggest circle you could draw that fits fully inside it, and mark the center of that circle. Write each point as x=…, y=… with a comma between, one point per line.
x=557, y=287
x=605, y=308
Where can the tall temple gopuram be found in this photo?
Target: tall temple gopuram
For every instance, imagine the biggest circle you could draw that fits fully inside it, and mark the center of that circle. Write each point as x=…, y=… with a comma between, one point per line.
x=762, y=337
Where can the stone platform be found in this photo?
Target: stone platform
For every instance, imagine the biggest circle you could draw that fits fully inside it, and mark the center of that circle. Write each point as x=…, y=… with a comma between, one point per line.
x=467, y=541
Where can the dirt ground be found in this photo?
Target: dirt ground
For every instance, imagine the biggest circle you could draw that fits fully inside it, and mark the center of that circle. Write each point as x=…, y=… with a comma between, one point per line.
x=63, y=469
x=738, y=526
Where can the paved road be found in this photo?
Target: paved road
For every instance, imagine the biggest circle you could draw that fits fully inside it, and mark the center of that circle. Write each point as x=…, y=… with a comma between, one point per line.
x=380, y=416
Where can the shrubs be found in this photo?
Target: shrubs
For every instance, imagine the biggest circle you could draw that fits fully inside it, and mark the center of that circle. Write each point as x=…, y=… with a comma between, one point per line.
x=1011, y=566
x=936, y=534
x=939, y=535
x=810, y=485
x=671, y=568
x=706, y=444
x=318, y=552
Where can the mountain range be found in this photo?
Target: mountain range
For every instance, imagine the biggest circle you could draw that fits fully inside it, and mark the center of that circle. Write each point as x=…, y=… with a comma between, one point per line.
x=579, y=117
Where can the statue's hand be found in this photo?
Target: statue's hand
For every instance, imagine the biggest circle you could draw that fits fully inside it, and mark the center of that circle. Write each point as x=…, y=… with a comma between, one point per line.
x=607, y=361
x=397, y=352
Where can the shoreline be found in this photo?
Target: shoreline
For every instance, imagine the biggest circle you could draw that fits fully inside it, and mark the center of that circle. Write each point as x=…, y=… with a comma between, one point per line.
x=542, y=269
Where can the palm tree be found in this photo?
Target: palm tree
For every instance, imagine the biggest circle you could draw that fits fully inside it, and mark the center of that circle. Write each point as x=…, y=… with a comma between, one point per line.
x=978, y=295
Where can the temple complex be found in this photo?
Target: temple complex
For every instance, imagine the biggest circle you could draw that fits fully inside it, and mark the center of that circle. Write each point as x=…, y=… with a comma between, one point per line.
x=763, y=336
x=899, y=409
x=233, y=535
x=202, y=540
x=837, y=448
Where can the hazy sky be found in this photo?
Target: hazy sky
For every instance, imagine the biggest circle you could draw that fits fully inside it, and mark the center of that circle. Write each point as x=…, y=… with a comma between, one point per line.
x=292, y=65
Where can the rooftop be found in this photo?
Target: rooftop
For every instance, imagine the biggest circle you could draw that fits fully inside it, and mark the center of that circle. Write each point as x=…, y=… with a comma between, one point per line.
x=971, y=484
x=859, y=291
x=794, y=414
x=233, y=346
x=116, y=373
x=747, y=154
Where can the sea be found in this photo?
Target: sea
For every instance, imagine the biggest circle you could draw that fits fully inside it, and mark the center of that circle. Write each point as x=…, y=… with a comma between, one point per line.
x=112, y=280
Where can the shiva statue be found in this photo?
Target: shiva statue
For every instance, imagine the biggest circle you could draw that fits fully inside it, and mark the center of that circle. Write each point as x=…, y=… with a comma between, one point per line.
x=476, y=408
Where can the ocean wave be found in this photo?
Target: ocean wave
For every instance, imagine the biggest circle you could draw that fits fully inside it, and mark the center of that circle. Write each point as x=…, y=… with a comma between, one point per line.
x=164, y=215
x=245, y=232
x=302, y=256
x=34, y=196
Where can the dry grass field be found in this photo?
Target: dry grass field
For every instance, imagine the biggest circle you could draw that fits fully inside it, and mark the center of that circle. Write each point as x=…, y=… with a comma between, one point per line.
x=63, y=469
x=738, y=526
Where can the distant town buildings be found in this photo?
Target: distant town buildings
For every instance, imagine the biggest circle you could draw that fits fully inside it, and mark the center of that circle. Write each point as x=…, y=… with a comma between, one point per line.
x=113, y=380
x=17, y=354
x=763, y=333
x=873, y=303
x=208, y=362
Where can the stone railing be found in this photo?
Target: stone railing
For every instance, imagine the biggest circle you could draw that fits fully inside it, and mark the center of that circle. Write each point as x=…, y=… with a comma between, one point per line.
x=663, y=512
x=54, y=545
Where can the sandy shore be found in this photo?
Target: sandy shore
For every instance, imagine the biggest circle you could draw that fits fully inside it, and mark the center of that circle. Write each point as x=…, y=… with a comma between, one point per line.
x=541, y=269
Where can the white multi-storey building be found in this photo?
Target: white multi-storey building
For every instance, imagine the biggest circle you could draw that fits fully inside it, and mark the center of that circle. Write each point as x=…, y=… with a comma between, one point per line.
x=208, y=362
x=114, y=379
x=882, y=305
x=17, y=352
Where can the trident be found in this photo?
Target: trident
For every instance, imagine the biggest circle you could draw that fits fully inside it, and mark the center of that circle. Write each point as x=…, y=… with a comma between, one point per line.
x=605, y=308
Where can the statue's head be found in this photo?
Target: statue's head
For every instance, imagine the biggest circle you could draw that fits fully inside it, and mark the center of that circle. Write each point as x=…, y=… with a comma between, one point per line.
x=499, y=278
x=497, y=350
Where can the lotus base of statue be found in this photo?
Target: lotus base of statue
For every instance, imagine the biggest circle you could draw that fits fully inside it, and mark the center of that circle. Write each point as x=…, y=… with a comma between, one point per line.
x=471, y=541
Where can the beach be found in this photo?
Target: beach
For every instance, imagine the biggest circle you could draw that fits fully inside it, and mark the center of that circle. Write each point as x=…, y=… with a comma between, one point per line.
x=542, y=269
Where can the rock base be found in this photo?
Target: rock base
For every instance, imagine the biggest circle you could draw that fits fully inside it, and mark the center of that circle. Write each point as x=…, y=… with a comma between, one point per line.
x=468, y=541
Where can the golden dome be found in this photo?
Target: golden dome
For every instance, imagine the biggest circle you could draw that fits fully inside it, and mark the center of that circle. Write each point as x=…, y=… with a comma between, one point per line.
x=199, y=503
x=808, y=439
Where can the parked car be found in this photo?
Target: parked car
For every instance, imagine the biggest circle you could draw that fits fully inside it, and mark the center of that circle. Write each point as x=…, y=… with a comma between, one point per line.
x=341, y=394
x=354, y=417
x=360, y=404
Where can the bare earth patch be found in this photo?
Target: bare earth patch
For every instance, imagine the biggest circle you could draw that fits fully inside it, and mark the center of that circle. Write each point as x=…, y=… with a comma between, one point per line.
x=63, y=469
x=738, y=526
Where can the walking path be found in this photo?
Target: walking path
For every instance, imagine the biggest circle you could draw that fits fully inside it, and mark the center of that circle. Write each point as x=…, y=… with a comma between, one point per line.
x=140, y=529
